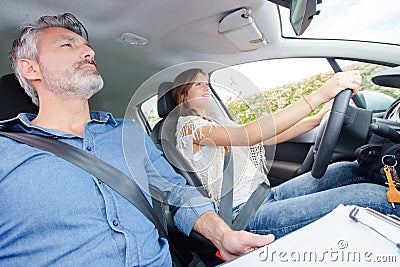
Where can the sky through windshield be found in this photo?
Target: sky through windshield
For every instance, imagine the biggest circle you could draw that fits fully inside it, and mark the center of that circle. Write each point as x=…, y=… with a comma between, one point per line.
x=367, y=20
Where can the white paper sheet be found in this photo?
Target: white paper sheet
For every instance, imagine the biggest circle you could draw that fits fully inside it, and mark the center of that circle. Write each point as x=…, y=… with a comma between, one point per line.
x=334, y=240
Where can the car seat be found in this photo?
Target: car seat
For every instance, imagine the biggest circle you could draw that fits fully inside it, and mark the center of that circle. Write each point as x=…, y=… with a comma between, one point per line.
x=13, y=99
x=163, y=135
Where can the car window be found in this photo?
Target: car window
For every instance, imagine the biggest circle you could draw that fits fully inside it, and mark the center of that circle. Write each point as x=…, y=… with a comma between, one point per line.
x=255, y=89
x=149, y=110
x=375, y=98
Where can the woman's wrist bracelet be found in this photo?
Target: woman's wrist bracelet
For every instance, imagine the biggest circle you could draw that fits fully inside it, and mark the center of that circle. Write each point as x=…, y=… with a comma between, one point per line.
x=308, y=103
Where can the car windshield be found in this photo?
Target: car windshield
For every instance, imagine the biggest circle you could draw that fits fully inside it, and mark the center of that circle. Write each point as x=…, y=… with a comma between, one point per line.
x=366, y=20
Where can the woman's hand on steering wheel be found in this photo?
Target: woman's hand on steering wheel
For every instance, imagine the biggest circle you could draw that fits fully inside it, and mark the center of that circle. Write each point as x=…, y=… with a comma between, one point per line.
x=324, y=147
x=337, y=83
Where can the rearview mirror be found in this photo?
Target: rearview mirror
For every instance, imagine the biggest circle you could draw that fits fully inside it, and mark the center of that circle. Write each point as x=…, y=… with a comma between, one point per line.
x=301, y=13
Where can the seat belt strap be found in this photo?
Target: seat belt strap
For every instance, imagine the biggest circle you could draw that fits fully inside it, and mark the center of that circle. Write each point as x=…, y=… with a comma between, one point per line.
x=250, y=208
x=247, y=212
x=108, y=174
x=226, y=201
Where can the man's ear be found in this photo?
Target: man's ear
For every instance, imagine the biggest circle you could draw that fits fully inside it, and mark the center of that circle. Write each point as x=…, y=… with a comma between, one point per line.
x=29, y=69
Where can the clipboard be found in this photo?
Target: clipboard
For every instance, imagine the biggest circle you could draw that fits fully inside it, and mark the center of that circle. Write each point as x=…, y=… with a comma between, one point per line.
x=334, y=240
x=380, y=224
x=393, y=219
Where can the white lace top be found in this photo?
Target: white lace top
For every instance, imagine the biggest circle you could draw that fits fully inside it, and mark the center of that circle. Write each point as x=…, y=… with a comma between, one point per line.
x=209, y=161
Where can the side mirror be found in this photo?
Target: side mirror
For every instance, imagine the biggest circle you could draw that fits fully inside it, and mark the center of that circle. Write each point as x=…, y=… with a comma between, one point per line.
x=375, y=101
x=388, y=78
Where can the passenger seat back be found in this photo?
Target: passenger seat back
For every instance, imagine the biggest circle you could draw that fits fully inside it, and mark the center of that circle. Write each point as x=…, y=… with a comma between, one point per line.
x=13, y=99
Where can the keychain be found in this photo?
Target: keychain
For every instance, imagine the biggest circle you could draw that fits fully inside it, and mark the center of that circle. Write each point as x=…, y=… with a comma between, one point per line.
x=390, y=162
x=395, y=178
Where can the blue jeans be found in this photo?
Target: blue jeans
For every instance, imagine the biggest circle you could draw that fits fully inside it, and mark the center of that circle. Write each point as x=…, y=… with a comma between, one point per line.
x=304, y=199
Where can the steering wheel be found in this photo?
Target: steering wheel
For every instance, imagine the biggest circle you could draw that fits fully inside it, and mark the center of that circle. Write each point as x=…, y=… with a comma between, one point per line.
x=323, y=148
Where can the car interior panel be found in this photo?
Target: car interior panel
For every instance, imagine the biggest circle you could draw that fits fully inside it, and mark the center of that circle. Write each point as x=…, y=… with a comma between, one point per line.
x=260, y=56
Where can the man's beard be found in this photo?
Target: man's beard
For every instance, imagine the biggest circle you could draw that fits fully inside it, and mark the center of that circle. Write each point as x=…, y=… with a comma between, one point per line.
x=79, y=83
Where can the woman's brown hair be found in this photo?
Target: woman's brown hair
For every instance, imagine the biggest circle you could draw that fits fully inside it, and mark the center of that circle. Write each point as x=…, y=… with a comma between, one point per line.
x=182, y=83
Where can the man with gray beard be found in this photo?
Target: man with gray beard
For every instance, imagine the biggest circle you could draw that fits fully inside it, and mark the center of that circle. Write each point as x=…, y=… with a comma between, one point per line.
x=76, y=82
x=55, y=213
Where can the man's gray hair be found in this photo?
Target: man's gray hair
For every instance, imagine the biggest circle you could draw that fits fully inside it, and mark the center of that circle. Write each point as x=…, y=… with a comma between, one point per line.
x=25, y=46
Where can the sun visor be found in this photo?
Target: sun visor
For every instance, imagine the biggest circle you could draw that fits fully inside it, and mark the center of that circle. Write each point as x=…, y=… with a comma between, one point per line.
x=241, y=30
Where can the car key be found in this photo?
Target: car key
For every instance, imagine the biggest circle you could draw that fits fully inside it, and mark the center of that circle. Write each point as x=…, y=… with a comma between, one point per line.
x=390, y=162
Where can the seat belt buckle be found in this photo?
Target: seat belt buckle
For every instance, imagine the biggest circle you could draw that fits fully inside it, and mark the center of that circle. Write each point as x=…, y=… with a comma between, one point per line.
x=219, y=255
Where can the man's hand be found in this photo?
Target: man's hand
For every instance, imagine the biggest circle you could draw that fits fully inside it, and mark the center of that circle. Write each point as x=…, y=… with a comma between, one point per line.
x=229, y=243
x=236, y=243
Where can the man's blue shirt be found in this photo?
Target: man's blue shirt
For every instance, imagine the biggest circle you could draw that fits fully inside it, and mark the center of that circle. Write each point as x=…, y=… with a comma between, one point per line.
x=54, y=213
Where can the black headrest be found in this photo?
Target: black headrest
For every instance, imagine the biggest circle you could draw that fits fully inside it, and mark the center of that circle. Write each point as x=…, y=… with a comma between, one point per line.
x=388, y=78
x=166, y=102
x=13, y=99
